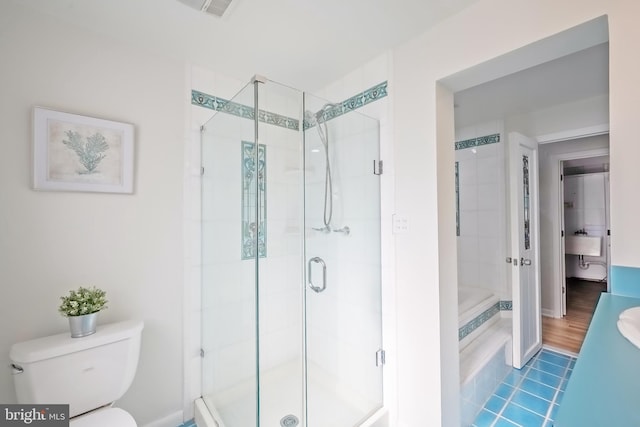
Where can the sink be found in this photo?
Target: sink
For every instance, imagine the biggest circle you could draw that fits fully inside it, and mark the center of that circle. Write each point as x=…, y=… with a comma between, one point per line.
x=582, y=245
x=629, y=325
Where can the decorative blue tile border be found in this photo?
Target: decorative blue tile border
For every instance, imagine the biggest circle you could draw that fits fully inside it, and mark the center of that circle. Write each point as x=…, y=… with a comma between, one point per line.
x=506, y=305
x=359, y=100
x=480, y=319
x=477, y=142
x=278, y=120
x=527, y=207
x=219, y=104
x=190, y=423
x=457, y=199
x=253, y=181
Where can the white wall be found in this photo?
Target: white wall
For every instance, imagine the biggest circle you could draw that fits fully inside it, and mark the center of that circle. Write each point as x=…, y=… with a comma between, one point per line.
x=129, y=245
x=585, y=113
x=424, y=261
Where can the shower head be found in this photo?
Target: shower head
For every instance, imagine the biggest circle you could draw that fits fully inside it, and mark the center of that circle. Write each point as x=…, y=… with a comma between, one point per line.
x=325, y=107
x=310, y=117
x=319, y=116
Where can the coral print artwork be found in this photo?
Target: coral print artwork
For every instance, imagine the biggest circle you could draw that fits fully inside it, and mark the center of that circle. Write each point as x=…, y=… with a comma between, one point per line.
x=80, y=153
x=72, y=152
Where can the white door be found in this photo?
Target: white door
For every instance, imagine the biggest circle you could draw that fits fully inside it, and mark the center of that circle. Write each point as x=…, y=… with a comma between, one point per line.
x=563, y=267
x=525, y=241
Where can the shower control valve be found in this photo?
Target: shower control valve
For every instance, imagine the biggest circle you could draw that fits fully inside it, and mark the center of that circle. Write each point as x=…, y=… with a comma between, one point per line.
x=345, y=230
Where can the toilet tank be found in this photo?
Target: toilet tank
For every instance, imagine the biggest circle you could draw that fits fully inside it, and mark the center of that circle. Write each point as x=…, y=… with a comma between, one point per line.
x=85, y=373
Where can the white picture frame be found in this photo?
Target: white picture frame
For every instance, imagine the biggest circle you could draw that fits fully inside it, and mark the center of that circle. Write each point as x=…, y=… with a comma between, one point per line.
x=72, y=152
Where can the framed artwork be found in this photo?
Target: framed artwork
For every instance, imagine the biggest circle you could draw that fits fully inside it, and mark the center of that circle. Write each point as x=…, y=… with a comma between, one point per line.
x=80, y=153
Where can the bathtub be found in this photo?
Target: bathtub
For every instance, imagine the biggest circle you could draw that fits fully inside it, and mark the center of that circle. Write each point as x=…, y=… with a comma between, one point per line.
x=472, y=302
x=485, y=348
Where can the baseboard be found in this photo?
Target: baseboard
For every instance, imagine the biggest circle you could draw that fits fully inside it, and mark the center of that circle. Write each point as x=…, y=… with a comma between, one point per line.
x=548, y=313
x=172, y=420
x=560, y=350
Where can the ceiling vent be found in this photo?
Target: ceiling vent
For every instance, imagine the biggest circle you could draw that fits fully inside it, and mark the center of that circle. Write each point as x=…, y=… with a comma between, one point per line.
x=212, y=7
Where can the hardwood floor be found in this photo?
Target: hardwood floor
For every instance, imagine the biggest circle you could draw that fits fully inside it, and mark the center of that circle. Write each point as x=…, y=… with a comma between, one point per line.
x=568, y=333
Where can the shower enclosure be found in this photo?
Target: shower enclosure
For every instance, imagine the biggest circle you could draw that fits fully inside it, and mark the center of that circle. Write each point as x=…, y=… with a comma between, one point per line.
x=291, y=298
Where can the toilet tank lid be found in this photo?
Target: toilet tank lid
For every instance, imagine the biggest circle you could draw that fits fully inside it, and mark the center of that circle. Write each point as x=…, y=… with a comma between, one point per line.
x=57, y=345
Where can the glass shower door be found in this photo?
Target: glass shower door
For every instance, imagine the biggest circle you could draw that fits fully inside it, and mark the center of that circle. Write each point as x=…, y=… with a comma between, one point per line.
x=229, y=298
x=281, y=401
x=343, y=330
x=291, y=301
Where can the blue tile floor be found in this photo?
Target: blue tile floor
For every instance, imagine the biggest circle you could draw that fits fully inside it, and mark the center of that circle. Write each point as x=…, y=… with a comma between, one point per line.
x=190, y=423
x=529, y=397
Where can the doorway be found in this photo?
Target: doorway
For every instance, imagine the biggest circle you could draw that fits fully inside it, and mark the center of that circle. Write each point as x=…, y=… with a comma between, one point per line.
x=585, y=215
x=548, y=103
x=583, y=218
x=554, y=119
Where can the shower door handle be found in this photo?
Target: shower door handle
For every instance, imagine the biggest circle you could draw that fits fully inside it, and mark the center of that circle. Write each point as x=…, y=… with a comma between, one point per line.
x=317, y=260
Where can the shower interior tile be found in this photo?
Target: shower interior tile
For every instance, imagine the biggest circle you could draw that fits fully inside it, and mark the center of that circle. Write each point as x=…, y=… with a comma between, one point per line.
x=200, y=116
x=490, y=170
x=489, y=224
x=374, y=109
x=468, y=170
x=469, y=197
x=468, y=249
x=489, y=198
x=468, y=273
x=495, y=150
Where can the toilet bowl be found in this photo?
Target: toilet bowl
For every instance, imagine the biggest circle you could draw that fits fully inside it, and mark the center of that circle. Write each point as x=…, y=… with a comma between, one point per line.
x=89, y=374
x=106, y=417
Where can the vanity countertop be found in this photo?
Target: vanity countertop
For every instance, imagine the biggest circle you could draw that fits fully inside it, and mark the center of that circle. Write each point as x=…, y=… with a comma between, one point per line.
x=604, y=388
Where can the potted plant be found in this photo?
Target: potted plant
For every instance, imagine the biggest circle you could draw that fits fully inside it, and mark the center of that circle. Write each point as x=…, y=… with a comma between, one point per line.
x=81, y=307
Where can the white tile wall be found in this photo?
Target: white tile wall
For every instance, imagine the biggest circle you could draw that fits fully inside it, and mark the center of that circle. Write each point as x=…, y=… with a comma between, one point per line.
x=483, y=220
x=586, y=209
x=230, y=281
x=336, y=342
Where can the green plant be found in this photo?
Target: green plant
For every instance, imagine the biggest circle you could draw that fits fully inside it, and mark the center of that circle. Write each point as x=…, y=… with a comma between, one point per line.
x=83, y=301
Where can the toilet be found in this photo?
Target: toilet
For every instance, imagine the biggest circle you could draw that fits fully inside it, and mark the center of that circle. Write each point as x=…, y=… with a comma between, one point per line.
x=88, y=373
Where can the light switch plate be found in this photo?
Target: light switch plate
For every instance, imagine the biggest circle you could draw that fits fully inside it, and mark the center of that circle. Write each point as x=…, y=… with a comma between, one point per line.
x=400, y=224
